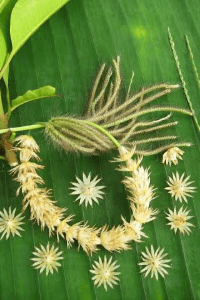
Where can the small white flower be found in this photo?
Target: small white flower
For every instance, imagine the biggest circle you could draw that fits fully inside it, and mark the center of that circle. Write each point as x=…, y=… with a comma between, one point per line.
x=9, y=223
x=131, y=165
x=179, y=220
x=104, y=272
x=47, y=258
x=133, y=229
x=172, y=155
x=143, y=214
x=154, y=263
x=179, y=187
x=87, y=190
x=27, y=141
x=124, y=154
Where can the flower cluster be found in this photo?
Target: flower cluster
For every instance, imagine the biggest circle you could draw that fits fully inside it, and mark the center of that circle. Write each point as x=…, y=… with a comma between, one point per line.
x=179, y=187
x=141, y=193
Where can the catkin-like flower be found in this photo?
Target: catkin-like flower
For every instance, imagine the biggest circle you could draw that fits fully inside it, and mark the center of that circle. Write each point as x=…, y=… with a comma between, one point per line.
x=10, y=223
x=27, y=142
x=154, y=262
x=87, y=190
x=125, y=154
x=133, y=230
x=143, y=214
x=172, y=155
x=179, y=220
x=88, y=238
x=104, y=272
x=114, y=239
x=179, y=187
x=47, y=258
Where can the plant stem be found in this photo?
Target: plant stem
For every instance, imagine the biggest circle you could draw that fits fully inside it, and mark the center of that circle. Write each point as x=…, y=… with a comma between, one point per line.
x=1, y=105
x=6, y=65
x=22, y=128
x=111, y=137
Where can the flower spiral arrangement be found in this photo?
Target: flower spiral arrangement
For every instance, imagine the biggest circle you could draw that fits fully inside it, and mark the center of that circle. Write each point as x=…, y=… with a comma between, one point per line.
x=47, y=214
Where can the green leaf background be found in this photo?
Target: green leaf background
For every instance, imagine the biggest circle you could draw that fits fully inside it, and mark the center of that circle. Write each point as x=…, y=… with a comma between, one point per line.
x=66, y=52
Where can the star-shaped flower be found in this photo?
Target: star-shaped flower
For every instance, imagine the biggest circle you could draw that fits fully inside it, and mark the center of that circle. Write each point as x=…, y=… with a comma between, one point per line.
x=179, y=187
x=179, y=220
x=87, y=190
x=9, y=223
x=154, y=263
x=47, y=259
x=104, y=272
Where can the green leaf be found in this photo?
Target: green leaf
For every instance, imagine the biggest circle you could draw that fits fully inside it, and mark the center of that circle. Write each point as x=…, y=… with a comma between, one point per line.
x=28, y=16
x=43, y=92
x=5, y=42
x=3, y=47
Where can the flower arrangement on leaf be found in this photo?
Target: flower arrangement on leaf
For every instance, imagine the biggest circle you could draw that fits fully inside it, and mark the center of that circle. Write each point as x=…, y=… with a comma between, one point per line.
x=107, y=124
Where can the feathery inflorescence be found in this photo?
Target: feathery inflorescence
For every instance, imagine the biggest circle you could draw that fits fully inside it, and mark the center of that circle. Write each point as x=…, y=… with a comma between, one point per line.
x=108, y=122
x=141, y=193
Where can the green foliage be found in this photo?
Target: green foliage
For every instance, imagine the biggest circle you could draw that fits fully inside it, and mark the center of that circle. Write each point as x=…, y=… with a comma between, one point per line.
x=43, y=92
x=28, y=16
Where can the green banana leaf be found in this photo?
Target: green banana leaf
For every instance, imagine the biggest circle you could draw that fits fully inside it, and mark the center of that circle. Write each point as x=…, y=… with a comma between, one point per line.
x=66, y=52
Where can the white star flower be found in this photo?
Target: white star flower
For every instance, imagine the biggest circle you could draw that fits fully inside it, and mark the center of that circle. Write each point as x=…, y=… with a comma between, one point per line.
x=104, y=272
x=179, y=220
x=154, y=263
x=9, y=223
x=47, y=258
x=179, y=187
x=87, y=190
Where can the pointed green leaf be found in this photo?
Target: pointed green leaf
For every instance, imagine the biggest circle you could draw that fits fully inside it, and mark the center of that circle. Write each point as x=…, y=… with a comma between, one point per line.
x=3, y=47
x=5, y=42
x=28, y=16
x=43, y=92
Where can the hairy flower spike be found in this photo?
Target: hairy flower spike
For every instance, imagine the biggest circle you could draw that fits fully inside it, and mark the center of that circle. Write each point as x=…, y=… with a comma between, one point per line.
x=143, y=214
x=27, y=142
x=133, y=230
x=108, y=124
x=88, y=238
x=114, y=239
